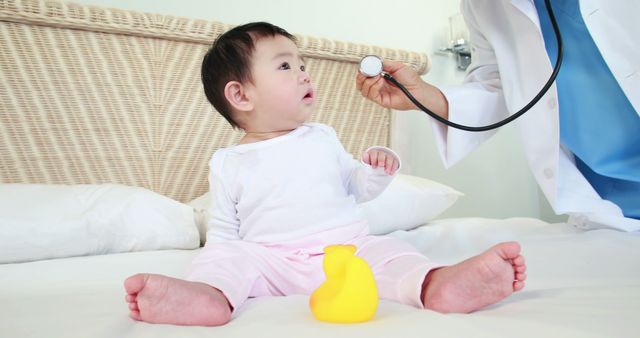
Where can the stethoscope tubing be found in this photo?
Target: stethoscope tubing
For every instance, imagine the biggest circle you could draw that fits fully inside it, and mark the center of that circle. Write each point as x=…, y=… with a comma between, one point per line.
x=509, y=119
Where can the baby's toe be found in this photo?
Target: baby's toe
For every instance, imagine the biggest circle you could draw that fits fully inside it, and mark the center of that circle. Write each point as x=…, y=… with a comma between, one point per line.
x=518, y=285
x=518, y=261
x=135, y=314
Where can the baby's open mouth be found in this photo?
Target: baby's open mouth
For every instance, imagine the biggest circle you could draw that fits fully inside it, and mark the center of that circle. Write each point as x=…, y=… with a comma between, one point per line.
x=309, y=94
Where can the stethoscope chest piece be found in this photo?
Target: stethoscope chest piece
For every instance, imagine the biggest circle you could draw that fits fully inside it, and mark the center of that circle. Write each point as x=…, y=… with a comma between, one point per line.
x=371, y=65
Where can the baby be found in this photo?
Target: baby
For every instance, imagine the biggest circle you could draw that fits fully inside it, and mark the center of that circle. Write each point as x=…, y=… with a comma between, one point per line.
x=287, y=190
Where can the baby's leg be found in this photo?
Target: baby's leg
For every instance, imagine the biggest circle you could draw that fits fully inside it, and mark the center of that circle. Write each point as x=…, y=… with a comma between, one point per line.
x=164, y=300
x=476, y=282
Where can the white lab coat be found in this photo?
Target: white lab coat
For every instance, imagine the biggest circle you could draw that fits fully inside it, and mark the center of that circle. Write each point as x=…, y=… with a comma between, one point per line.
x=509, y=66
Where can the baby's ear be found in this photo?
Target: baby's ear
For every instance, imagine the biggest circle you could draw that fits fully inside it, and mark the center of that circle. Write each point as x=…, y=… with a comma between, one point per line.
x=236, y=95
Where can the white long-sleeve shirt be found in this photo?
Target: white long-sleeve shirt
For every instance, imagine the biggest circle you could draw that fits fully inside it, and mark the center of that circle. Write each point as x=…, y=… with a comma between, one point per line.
x=288, y=187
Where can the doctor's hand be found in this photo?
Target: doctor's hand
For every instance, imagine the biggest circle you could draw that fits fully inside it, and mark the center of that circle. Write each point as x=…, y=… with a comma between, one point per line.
x=378, y=158
x=378, y=90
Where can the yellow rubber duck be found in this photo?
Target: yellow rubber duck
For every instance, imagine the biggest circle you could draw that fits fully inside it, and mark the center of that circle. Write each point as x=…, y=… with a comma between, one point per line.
x=349, y=294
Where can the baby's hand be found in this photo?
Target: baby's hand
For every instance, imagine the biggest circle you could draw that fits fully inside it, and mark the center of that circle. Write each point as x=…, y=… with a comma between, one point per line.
x=380, y=158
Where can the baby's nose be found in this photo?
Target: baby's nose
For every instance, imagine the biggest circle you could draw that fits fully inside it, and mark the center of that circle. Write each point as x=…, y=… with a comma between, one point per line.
x=304, y=77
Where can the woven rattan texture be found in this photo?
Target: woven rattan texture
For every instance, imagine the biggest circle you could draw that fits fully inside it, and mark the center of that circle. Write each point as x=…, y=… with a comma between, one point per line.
x=95, y=95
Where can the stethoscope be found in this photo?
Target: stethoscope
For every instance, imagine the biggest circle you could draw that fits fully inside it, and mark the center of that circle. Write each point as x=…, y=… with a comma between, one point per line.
x=371, y=66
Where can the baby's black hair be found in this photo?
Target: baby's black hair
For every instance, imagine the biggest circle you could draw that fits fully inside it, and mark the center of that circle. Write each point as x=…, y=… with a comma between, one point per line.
x=229, y=59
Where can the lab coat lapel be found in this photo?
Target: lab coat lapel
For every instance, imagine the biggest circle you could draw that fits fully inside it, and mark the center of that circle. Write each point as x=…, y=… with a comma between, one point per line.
x=527, y=8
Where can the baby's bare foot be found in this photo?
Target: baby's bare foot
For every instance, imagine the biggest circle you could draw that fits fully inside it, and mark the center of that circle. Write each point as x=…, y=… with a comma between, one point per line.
x=164, y=300
x=476, y=282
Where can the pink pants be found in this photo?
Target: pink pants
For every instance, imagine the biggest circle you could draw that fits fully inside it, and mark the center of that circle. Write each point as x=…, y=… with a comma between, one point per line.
x=242, y=269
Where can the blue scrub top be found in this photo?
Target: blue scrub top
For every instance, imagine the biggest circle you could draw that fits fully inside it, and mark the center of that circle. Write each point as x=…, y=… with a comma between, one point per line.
x=597, y=121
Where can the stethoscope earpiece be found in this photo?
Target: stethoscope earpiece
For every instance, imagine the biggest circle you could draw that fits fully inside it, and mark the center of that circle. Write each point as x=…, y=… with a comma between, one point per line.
x=371, y=66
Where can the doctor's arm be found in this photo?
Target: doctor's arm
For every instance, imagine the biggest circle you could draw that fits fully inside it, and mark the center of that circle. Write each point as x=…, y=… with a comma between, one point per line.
x=478, y=101
x=378, y=90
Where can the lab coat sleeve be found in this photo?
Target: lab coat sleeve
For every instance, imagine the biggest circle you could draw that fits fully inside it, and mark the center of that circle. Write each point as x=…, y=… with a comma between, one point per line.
x=479, y=101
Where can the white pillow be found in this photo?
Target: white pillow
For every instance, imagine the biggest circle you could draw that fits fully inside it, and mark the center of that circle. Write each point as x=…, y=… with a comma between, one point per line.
x=200, y=207
x=408, y=202
x=39, y=221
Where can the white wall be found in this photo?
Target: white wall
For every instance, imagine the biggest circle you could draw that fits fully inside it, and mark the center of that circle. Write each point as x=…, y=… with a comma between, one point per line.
x=495, y=178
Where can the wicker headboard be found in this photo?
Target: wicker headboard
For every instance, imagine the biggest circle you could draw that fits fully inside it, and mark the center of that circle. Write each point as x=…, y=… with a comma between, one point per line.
x=96, y=95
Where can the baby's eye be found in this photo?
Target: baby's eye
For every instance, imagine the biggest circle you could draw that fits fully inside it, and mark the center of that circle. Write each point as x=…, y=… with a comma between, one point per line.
x=302, y=68
x=285, y=65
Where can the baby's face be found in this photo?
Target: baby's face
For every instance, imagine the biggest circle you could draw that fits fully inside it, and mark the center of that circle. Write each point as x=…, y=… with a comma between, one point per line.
x=282, y=92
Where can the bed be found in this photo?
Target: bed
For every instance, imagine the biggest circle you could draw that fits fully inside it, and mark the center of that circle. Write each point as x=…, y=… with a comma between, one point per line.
x=102, y=118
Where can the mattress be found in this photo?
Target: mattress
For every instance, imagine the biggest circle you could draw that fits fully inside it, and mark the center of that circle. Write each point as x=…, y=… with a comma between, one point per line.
x=580, y=284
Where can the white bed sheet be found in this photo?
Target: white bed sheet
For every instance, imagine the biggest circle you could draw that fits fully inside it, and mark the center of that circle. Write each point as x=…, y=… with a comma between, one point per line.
x=580, y=284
